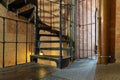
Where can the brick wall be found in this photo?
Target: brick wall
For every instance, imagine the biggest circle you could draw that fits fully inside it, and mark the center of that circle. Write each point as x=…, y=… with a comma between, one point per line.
x=117, y=41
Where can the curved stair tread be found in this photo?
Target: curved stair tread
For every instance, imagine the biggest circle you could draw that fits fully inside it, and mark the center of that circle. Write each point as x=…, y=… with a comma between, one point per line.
x=16, y=4
x=43, y=26
x=3, y=3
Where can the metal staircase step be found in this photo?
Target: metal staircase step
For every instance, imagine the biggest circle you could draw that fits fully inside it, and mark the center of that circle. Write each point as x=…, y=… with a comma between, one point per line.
x=16, y=4
x=49, y=35
x=46, y=57
x=53, y=35
x=50, y=48
x=46, y=28
x=49, y=57
x=49, y=29
x=27, y=13
x=43, y=26
x=65, y=59
x=55, y=41
x=3, y=3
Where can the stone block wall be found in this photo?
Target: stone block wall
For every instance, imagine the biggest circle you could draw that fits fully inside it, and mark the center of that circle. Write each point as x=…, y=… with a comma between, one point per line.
x=10, y=36
x=117, y=39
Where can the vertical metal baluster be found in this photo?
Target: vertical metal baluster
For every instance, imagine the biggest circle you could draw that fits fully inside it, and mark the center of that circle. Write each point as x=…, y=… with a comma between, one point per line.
x=26, y=40
x=76, y=27
x=71, y=25
x=87, y=25
x=95, y=27
x=36, y=31
x=16, y=42
x=60, y=35
x=40, y=8
x=53, y=16
x=82, y=29
x=67, y=24
x=41, y=16
x=43, y=11
x=51, y=21
x=91, y=30
x=3, y=55
x=79, y=25
x=75, y=31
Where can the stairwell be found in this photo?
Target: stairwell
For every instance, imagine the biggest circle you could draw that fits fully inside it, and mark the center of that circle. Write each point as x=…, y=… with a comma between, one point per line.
x=63, y=53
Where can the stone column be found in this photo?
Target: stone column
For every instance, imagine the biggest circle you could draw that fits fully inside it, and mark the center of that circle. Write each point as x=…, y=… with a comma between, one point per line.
x=106, y=25
x=99, y=31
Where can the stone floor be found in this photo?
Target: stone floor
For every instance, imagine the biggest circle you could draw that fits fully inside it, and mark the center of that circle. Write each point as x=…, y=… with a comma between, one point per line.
x=29, y=71
x=83, y=69
x=79, y=70
x=108, y=72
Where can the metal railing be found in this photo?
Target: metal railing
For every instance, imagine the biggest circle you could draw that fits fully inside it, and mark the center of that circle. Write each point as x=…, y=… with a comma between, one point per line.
x=5, y=40
x=86, y=28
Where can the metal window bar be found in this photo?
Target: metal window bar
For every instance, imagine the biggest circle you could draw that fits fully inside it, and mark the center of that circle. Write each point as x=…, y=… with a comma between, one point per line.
x=16, y=41
x=16, y=51
x=3, y=55
x=91, y=30
x=82, y=28
x=79, y=10
x=52, y=13
x=40, y=9
x=87, y=25
x=75, y=30
x=74, y=26
x=85, y=12
x=60, y=34
x=70, y=13
x=36, y=30
x=51, y=23
x=26, y=41
x=16, y=37
x=43, y=10
x=95, y=27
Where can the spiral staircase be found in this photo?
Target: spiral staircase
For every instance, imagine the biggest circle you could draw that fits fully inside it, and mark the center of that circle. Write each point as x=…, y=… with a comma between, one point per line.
x=29, y=10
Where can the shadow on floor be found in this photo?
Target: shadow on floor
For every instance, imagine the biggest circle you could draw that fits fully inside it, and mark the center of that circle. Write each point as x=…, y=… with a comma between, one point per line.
x=29, y=71
x=82, y=69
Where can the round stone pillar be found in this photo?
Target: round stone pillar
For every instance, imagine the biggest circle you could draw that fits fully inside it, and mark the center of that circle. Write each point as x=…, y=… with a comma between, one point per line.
x=105, y=30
